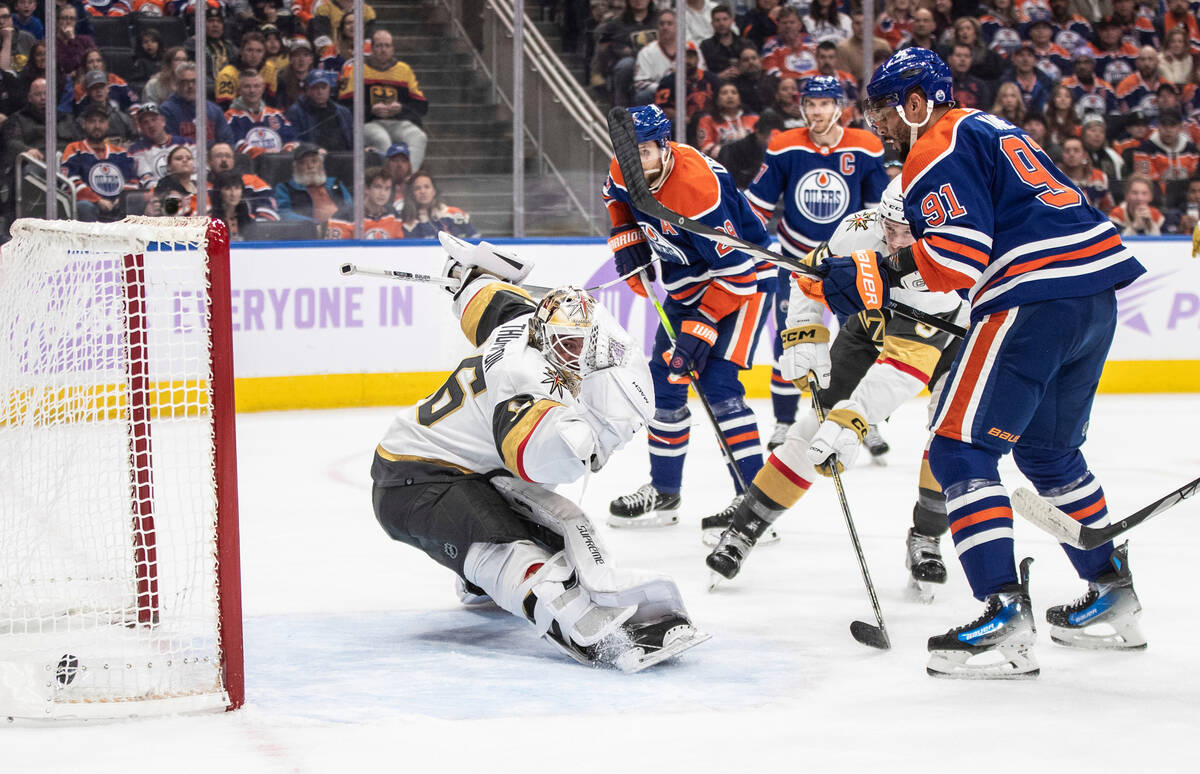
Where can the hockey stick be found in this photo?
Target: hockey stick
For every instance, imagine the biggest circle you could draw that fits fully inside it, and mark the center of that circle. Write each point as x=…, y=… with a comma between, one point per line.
x=348, y=269
x=695, y=377
x=625, y=146
x=874, y=636
x=1059, y=524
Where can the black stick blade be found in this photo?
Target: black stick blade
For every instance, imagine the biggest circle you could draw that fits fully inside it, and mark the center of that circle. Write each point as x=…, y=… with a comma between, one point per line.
x=869, y=635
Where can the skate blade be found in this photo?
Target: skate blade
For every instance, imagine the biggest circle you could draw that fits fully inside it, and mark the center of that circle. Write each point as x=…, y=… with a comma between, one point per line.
x=920, y=591
x=1128, y=637
x=652, y=520
x=710, y=537
x=1012, y=663
x=635, y=660
x=715, y=579
x=879, y=460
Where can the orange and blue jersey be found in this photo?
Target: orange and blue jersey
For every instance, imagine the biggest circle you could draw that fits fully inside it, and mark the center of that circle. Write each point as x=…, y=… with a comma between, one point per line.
x=701, y=189
x=1100, y=97
x=998, y=222
x=99, y=174
x=1116, y=65
x=267, y=132
x=1135, y=93
x=820, y=184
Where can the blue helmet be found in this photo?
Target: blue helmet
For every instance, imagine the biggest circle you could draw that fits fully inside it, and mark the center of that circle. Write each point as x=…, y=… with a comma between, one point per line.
x=910, y=68
x=823, y=86
x=651, y=124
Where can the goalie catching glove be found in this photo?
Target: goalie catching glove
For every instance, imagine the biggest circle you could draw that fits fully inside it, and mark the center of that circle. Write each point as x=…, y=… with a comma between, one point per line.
x=631, y=252
x=838, y=438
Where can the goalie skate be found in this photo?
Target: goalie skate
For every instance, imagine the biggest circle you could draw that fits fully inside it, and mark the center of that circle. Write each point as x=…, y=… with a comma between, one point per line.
x=647, y=507
x=877, y=446
x=996, y=646
x=1106, y=617
x=656, y=641
x=926, y=570
x=712, y=527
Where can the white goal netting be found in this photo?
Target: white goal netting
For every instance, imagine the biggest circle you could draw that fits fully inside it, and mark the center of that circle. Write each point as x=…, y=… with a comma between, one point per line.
x=110, y=579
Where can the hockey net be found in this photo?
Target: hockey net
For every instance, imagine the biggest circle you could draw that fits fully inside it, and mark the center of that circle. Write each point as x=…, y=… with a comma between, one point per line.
x=119, y=578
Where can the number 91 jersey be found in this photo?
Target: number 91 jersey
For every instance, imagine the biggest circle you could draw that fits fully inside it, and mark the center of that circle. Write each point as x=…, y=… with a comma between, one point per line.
x=996, y=220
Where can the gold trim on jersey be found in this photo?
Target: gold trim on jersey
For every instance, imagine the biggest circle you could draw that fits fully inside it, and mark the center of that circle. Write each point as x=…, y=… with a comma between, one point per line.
x=917, y=354
x=478, y=306
x=390, y=457
x=520, y=431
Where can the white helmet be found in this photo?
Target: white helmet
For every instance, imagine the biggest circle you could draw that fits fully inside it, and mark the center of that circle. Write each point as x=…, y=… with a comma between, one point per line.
x=891, y=204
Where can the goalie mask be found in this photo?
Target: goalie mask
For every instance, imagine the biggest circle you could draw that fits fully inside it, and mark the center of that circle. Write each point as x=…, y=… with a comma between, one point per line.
x=576, y=334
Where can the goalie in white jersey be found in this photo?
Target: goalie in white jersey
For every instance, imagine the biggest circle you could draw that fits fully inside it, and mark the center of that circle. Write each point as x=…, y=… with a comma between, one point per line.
x=878, y=361
x=551, y=390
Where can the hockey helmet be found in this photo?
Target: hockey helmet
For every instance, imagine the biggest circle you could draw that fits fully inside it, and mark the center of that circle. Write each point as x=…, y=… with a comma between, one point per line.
x=820, y=86
x=651, y=124
x=561, y=328
x=908, y=69
x=891, y=204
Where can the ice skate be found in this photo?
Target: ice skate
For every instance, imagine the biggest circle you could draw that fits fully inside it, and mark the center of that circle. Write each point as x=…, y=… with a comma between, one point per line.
x=877, y=446
x=996, y=646
x=712, y=527
x=470, y=595
x=650, y=642
x=647, y=507
x=926, y=570
x=778, y=435
x=1106, y=617
x=745, y=530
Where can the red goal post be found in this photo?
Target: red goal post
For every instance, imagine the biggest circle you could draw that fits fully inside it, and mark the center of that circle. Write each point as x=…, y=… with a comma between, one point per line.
x=120, y=584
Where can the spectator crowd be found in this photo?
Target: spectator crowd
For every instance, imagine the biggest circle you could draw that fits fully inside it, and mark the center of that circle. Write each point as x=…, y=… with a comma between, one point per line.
x=1107, y=87
x=277, y=102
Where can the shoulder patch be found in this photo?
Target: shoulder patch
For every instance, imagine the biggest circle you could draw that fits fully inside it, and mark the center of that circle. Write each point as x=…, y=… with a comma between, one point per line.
x=490, y=308
x=513, y=422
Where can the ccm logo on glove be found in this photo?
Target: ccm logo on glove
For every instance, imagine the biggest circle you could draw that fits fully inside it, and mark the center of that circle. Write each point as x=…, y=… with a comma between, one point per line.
x=805, y=334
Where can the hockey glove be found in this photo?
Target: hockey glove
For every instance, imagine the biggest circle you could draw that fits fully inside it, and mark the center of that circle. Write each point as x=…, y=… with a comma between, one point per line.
x=838, y=438
x=848, y=285
x=632, y=252
x=805, y=349
x=690, y=353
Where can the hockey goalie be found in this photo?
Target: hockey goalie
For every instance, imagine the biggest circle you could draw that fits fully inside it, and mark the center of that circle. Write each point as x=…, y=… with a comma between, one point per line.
x=552, y=389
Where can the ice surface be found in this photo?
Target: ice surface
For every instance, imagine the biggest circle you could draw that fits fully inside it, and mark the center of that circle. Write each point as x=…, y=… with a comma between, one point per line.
x=358, y=657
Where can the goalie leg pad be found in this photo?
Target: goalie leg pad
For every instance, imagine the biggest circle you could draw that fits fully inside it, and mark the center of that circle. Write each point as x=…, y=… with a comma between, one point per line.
x=525, y=580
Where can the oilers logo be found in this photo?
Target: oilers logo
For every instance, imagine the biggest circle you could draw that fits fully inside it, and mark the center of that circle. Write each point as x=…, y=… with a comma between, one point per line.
x=106, y=179
x=264, y=137
x=376, y=233
x=1114, y=70
x=822, y=196
x=660, y=245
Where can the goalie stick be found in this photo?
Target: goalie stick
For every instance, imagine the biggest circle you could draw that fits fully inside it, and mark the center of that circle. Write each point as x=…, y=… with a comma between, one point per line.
x=1037, y=510
x=625, y=148
x=873, y=636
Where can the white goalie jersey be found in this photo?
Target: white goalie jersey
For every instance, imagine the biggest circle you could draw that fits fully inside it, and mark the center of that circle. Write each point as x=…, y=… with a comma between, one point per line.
x=506, y=407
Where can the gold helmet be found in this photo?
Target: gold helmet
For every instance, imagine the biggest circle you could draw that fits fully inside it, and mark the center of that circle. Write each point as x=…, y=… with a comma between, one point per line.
x=562, y=328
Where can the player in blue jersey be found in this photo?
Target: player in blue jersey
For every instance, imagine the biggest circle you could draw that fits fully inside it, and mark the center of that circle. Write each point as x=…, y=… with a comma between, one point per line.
x=714, y=304
x=823, y=172
x=996, y=221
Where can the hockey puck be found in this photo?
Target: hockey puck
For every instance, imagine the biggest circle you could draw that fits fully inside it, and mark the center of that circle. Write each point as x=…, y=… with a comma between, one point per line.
x=68, y=668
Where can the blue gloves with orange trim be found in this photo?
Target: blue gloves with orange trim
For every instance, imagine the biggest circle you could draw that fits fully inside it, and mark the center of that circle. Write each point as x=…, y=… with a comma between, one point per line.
x=696, y=337
x=849, y=285
x=631, y=252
